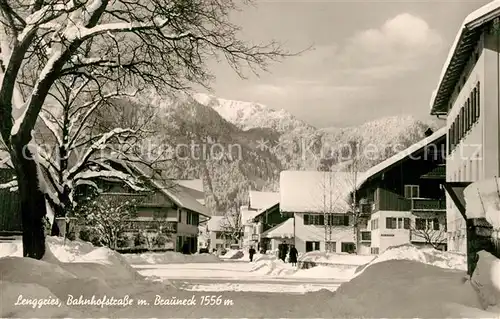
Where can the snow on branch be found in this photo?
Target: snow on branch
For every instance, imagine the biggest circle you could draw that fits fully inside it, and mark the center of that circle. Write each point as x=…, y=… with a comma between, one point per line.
x=129, y=180
x=9, y=185
x=98, y=145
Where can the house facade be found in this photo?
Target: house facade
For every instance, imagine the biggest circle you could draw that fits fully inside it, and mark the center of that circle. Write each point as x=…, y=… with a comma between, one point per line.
x=259, y=216
x=218, y=237
x=165, y=210
x=319, y=204
x=265, y=220
x=404, y=199
x=467, y=95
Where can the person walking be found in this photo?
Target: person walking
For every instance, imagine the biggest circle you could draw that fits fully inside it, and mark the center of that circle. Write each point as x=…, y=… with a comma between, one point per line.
x=251, y=252
x=293, y=255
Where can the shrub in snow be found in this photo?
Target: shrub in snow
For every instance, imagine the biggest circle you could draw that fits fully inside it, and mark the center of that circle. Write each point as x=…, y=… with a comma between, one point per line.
x=107, y=217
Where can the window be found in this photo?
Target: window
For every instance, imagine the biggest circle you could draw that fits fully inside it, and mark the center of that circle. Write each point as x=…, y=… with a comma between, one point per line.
x=466, y=117
x=366, y=235
x=390, y=223
x=374, y=250
x=420, y=224
x=314, y=219
x=406, y=223
x=335, y=220
x=397, y=223
x=478, y=99
x=179, y=213
x=331, y=246
x=312, y=246
x=347, y=247
x=462, y=123
x=427, y=224
x=435, y=223
x=412, y=191
x=219, y=235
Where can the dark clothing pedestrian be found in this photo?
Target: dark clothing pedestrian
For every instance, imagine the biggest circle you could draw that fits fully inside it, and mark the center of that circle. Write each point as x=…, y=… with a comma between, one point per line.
x=251, y=252
x=185, y=249
x=293, y=255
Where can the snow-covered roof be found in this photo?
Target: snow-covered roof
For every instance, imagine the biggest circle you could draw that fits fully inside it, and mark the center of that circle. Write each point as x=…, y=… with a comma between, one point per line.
x=283, y=230
x=315, y=192
x=196, y=184
x=215, y=223
x=247, y=216
x=180, y=195
x=483, y=201
x=260, y=200
x=265, y=209
x=400, y=156
x=177, y=193
x=459, y=54
x=192, y=187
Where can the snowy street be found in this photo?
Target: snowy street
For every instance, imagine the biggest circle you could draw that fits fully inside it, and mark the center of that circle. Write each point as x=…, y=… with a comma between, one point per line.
x=234, y=276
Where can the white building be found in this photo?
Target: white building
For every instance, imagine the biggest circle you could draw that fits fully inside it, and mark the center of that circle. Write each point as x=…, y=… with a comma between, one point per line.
x=320, y=206
x=467, y=95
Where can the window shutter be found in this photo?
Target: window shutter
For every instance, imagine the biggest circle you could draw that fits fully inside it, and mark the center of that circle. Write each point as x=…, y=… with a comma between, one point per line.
x=306, y=219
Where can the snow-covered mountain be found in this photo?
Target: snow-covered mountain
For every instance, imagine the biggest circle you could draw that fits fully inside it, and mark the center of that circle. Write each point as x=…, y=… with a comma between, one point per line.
x=290, y=144
x=249, y=115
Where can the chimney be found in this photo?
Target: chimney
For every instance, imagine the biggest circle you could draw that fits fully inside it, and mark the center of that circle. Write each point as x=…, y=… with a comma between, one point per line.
x=429, y=132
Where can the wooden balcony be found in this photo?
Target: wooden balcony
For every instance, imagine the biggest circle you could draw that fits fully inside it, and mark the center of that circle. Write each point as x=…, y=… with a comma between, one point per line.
x=426, y=204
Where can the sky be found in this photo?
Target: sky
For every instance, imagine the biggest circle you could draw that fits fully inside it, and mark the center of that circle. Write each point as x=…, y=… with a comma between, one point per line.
x=368, y=59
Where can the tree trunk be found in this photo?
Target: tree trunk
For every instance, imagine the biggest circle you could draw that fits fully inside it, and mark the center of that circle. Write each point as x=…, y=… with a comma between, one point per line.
x=32, y=199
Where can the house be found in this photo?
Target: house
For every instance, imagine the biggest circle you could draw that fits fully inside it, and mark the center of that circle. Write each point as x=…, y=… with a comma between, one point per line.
x=319, y=204
x=404, y=199
x=219, y=237
x=164, y=208
x=467, y=96
x=262, y=214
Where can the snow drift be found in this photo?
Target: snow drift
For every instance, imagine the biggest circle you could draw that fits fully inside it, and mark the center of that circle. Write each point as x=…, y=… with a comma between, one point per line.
x=320, y=257
x=429, y=256
x=169, y=257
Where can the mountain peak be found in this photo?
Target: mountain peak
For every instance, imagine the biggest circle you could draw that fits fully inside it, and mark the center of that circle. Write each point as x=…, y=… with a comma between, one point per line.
x=249, y=115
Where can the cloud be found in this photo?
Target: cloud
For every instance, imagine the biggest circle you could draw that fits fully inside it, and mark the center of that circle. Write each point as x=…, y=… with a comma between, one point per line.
x=401, y=44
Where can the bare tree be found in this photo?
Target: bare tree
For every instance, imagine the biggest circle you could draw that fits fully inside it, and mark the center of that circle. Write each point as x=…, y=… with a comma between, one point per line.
x=132, y=43
x=427, y=232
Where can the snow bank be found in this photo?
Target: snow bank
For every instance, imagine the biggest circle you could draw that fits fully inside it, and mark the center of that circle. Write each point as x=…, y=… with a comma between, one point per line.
x=429, y=256
x=407, y=289
x=234, y=254
x=79, y=257
x=486, y=280
x=326, y=272
x=273, y=268
x=336, y=258
x=169, y=257
x=483, y=200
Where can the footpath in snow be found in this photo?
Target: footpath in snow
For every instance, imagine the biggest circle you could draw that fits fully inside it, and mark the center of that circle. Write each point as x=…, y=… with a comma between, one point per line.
x=78, y=269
